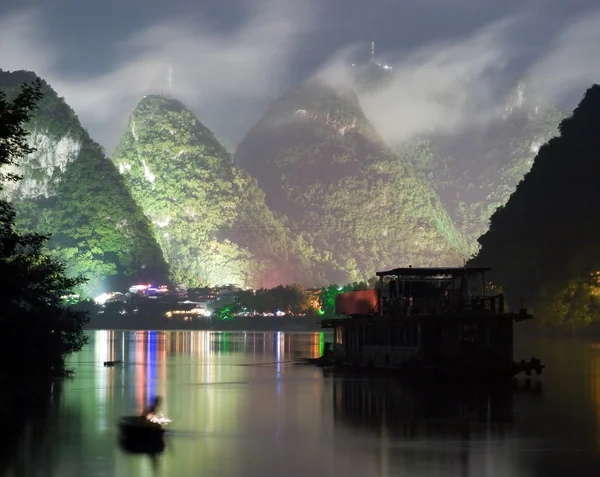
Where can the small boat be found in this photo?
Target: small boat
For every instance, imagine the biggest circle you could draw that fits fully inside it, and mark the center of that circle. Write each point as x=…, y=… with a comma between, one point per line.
x=141, y=429
x=150, y=447
x=139, y=434
x=112, y=363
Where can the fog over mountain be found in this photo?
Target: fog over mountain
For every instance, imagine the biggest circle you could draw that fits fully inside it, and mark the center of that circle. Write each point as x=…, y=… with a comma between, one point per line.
x=453, y=64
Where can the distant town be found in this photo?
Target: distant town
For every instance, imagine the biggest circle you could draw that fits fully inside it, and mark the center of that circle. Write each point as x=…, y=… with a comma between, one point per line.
x=205, y=304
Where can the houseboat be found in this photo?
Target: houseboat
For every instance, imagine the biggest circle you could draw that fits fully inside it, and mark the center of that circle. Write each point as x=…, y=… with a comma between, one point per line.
x=432, y=322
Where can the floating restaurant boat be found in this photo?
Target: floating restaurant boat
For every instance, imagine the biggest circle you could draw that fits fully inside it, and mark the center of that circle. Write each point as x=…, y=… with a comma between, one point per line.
x=424, y=322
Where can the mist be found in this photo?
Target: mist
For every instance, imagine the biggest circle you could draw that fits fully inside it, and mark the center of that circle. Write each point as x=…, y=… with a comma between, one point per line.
x=219, y=76
x=462, y=84
x=448, y=85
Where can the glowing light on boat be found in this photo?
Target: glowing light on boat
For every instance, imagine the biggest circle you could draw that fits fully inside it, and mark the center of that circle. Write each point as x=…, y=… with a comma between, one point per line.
x=161, y=420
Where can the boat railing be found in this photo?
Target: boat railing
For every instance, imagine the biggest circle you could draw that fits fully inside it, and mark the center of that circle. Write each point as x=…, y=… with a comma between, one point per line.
x=488, y=304
x=443, y=305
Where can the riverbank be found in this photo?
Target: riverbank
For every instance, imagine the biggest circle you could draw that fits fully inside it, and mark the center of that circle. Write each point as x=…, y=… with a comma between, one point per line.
x=289, y=324
x=286, y=323
x=153, y=321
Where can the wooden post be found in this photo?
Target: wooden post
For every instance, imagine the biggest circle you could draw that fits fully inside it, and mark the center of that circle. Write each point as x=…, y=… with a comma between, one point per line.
x=483, y=283
x=380, y=298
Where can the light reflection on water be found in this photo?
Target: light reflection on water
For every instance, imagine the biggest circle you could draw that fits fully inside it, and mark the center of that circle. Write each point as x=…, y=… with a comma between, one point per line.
x=241, y=408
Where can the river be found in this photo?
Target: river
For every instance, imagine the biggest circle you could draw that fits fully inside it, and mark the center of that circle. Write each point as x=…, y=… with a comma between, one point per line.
x=241, y=408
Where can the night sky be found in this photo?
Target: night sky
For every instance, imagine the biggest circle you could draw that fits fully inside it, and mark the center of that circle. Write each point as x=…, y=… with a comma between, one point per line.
x=230, y=58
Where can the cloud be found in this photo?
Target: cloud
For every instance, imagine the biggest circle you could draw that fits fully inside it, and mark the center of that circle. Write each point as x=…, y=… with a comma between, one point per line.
x=227, y=77
x=570, y=66
x=449, y=87
x=442, y=87
x=21, y=41
x=210, y=68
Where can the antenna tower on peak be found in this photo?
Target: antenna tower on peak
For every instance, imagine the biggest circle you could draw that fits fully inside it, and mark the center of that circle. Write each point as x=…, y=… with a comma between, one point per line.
x=372, y=50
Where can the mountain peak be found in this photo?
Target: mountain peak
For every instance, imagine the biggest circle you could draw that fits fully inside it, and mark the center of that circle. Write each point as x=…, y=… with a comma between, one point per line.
x=69, y=188
x=185, y=182
x=325, y=170
x=161, y=99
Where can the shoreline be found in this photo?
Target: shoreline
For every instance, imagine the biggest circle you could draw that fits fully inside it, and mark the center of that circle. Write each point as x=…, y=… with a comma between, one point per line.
x=286, y=324
x=311, y=325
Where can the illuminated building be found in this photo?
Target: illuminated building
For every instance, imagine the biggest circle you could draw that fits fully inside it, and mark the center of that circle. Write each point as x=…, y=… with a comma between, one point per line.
x=189, y=309
x=109, y=297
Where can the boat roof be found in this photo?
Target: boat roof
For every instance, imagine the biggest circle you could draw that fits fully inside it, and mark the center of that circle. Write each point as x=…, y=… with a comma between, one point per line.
x=465, y=316
x=433, y=272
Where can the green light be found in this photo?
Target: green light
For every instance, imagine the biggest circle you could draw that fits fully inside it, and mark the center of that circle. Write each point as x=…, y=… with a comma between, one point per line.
x=321, y=344
x=226, y=337
x=225, y=313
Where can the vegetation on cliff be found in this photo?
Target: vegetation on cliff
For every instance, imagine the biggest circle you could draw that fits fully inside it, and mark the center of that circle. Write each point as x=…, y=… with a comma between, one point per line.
x=352, y=205
x=208, y=216
x=476, y=172
x=73, y=192
x=543, y=244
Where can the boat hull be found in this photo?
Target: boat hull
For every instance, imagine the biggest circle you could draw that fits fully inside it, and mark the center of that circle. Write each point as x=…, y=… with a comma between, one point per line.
x=137, y=433
x=143, y=446
x=452, y=371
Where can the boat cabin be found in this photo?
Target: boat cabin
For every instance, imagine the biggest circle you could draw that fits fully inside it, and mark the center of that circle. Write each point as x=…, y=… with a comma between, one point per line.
x=427, y=316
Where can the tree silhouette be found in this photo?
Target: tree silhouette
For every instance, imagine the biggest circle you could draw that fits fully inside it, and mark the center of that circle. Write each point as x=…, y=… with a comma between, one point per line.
x=36, y=331
x=543, y=244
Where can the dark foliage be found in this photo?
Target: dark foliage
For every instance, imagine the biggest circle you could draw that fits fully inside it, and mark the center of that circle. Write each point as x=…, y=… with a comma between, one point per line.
x=543, y=244
x=37, y=332
x=13, y=137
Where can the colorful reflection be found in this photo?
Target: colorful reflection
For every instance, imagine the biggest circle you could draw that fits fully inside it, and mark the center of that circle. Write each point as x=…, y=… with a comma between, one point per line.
x=214, y=385
x=145, y=344
x=104, y=350
x=146, y=358
x=239, y=407
x=225, y=392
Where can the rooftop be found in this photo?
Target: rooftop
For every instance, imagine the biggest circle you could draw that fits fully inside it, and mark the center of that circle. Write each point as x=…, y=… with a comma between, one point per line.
x=434, y=272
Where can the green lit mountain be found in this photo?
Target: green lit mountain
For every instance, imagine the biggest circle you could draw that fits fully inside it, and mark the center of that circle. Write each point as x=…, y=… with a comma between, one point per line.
x=72, y=191
x=208, y=216
x=352, y=205
x=543, y=244
x=476, y=172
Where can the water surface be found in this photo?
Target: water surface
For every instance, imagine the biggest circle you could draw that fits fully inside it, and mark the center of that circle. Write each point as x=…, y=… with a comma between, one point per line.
x=241, y=408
